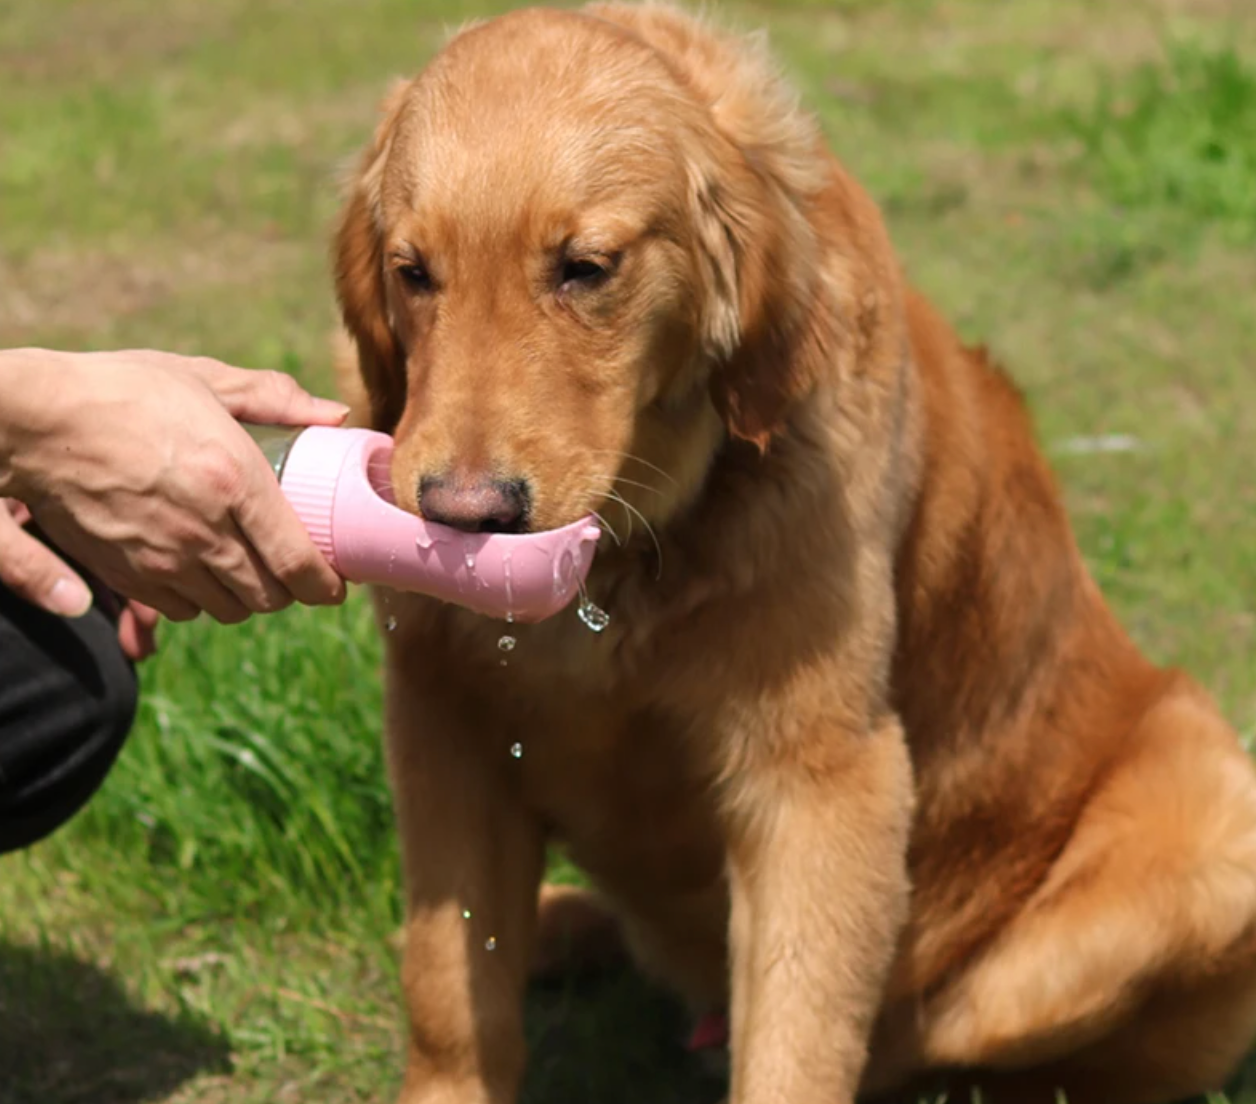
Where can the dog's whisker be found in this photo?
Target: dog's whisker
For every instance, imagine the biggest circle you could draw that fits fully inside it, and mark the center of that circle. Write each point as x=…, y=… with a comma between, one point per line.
x=635, y=483
x=630, y=511
x=638, y=460
x=658, y=547
x=607, y=492
x=607, y=526
x=616, y=498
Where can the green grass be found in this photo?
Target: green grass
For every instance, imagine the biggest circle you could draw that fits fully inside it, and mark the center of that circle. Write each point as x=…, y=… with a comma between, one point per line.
x=1073, y=182
x=1179, y=134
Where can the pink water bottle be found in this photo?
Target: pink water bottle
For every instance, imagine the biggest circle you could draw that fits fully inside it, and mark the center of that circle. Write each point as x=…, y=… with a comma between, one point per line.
x=338, y=482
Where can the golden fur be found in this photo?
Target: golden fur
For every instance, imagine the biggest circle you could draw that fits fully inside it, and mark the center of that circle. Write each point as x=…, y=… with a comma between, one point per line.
x=862, y=754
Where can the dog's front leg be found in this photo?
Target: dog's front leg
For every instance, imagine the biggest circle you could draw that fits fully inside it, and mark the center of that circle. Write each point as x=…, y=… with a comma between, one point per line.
x=818, y=820
x=473, y=860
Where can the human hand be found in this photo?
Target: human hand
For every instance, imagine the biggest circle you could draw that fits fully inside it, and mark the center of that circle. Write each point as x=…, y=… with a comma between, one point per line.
x=135, y=465
x=32, y=570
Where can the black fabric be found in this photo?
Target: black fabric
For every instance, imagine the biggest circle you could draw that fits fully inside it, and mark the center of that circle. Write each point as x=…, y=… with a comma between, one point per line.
x=68, y=696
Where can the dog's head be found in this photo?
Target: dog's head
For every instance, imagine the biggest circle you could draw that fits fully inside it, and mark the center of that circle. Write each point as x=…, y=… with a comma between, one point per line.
x=575, y=257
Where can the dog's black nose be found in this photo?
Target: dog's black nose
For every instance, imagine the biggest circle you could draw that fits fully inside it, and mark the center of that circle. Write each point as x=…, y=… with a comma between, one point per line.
x=475, y=505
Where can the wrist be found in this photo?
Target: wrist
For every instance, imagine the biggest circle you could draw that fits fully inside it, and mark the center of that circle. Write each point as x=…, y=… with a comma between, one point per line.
x=33, y=386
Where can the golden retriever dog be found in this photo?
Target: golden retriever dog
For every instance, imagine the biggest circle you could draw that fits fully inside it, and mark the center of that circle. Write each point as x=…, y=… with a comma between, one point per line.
x=862, y=756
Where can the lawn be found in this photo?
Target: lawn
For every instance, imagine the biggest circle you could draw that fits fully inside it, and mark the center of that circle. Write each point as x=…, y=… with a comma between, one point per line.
x=1073, y=180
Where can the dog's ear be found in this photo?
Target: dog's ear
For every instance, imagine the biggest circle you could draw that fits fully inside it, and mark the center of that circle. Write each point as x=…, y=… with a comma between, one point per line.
x=359, y=275
x=756, y=166
x=766, y=326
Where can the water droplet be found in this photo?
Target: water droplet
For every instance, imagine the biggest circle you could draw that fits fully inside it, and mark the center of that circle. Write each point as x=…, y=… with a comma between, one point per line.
x=592, y=615
x=516, y=750
x=468, y=577
x=424, y=539
x=510, y=594
x=507, y=643
x=564, y=568
x=466, y=914
x=391, y=623
x=490, y=944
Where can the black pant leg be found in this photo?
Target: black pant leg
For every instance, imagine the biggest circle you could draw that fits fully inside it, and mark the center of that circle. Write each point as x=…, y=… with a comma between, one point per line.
x=68, y=696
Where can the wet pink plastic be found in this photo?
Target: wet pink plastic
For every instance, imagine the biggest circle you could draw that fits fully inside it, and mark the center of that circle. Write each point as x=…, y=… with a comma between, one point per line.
x=338, y=482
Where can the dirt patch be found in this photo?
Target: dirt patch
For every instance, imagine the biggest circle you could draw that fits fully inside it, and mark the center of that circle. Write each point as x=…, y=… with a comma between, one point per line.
x=281, y=121
x=969, y=37
x=73, y=290
x=1237, y=10
x=97, y=41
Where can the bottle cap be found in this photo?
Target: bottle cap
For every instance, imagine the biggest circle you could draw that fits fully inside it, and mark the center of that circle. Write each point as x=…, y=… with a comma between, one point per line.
x=312, y=473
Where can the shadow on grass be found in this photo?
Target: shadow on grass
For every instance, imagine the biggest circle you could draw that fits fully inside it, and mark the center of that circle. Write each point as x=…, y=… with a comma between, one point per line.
x=69, y=1034
x=615, y=1040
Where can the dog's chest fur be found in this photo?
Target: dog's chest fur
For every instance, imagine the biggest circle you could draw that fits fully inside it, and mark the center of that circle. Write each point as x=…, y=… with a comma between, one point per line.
x=584, y=729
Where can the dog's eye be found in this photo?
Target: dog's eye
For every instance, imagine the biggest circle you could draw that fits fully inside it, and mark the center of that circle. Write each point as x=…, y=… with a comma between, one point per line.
x=415, y=277
x=583, y=272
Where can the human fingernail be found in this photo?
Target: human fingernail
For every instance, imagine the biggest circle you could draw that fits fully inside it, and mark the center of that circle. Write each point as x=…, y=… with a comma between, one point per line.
x=332, y=408
x=69, y=597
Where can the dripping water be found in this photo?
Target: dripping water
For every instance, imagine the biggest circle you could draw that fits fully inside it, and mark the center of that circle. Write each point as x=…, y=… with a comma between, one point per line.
x=594, y=617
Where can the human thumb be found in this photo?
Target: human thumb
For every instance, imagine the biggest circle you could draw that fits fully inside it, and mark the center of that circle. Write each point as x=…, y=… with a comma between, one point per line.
x=33, y=571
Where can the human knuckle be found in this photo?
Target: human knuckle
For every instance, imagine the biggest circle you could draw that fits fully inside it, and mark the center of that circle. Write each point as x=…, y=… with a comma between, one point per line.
x=157, y=563
x=189, y=534
x=291, y=567
x=279, y=384
x=221, y=471
x=228, y=559
x=206, y=367
x=19, y=570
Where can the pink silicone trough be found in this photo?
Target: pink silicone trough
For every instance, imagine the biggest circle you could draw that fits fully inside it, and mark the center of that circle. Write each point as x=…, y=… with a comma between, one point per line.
x=338, y=482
